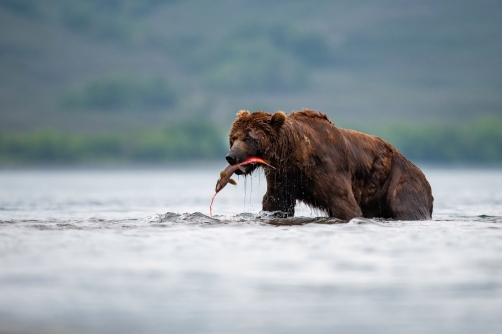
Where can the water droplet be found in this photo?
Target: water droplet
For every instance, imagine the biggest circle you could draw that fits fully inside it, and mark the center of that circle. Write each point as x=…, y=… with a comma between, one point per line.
x=251, y=192
x=245, y=188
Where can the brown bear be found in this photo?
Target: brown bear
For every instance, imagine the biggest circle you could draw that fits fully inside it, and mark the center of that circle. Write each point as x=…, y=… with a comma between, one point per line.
x=342, y=172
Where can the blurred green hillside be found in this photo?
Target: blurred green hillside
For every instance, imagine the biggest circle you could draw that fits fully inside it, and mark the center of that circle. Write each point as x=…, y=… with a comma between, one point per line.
x=411, y=71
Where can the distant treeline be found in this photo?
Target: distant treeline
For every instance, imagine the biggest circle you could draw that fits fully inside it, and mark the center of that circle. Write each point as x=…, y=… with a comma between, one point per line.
x=476, y=143
x=181, y=141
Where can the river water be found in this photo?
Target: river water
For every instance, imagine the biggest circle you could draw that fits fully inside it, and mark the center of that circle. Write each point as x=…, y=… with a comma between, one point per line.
x=135, y=251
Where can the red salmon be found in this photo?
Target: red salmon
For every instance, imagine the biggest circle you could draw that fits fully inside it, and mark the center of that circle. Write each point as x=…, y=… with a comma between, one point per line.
x=226, y=174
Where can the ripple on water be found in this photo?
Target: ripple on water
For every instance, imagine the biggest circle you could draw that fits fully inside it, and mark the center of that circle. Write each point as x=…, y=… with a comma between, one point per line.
x=261, y=218
x=170, y=219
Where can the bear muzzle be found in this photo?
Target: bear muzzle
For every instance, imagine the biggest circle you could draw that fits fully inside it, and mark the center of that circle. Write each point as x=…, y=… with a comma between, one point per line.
x=232, y=159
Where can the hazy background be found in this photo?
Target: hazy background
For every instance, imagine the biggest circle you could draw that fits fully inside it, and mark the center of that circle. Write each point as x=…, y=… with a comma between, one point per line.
x=121, y=81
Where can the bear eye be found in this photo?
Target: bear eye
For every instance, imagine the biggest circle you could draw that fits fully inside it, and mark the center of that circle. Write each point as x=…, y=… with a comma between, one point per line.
x=249, y=139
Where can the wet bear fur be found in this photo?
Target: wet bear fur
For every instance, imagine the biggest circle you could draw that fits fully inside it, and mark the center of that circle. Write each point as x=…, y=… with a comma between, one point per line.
x=342, y=172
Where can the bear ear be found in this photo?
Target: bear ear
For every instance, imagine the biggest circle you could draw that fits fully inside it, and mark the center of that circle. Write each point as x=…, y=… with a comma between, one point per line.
x=278, y=120
x=242, y=113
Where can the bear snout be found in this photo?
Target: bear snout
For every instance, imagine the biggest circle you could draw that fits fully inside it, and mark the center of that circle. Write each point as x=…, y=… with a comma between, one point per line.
x=232, y=159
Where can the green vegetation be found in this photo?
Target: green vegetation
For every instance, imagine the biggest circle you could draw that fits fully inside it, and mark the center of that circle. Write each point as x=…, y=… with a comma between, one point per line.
x=29, y=8
x=75, y=66
x=267, y=58
x=476, y=143
x=366, y=60
x=114, y=20
x=121, y=92
x=183, y=141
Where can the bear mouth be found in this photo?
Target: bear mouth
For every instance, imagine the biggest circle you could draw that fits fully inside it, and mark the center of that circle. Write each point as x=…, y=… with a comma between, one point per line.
x=246, y=169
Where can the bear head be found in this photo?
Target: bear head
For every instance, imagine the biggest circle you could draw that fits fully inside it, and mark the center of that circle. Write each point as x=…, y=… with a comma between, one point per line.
x=254, y=135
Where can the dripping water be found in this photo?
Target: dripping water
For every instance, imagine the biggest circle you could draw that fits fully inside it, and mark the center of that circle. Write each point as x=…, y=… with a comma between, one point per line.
x=251, y=192
x=259, y=178
x=245, y=191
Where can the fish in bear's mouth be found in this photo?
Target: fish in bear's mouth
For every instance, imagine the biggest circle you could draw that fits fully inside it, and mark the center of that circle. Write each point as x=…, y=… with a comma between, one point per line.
x=246, y=169
x=239, y=169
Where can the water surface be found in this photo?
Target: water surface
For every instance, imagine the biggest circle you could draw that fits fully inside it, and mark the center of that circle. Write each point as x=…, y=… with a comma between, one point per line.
x=130, y=251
